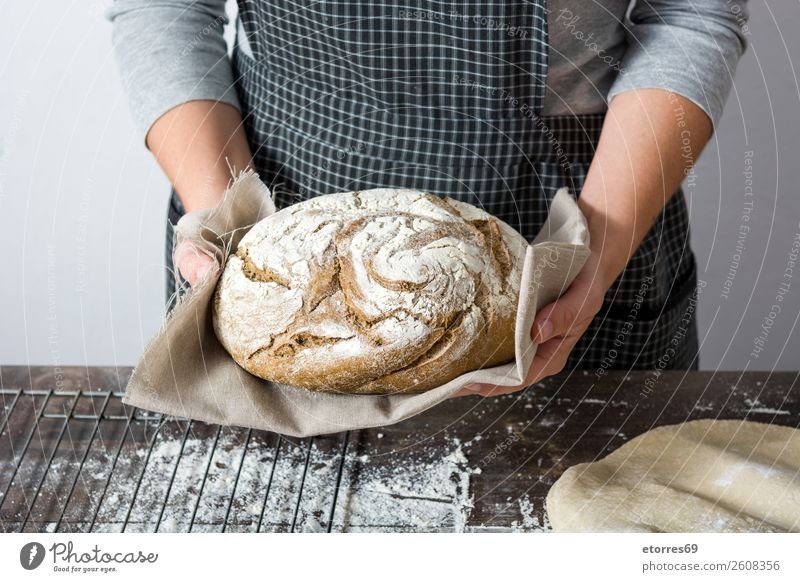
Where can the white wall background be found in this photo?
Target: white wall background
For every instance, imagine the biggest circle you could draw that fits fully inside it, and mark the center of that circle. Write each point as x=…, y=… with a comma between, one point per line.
x=82, y=204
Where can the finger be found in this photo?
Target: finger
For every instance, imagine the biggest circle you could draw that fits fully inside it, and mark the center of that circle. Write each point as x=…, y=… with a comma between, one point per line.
x=495, y=390
x=196, y=267
x=463, y=392
x=193, y=264
x=562, y=317
x=556, y=318
x=467, y=390
x=550, y=359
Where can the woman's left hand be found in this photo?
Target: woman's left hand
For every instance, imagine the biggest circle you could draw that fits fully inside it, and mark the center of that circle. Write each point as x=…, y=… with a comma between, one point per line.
x=644, y=152
x=557, y=328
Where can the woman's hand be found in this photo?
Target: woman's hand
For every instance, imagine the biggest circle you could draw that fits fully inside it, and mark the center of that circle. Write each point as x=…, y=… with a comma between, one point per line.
x=193, y=263
x=557, y=328
x=649, y=142
x=199, y=144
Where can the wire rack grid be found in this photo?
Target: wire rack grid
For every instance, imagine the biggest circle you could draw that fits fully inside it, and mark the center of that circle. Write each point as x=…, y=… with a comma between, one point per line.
x=82, y=461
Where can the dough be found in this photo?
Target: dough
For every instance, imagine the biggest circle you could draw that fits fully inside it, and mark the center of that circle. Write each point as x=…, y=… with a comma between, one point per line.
x=700, y=476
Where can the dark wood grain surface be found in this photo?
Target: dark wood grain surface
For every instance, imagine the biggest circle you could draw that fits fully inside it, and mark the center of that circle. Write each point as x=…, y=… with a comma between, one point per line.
x=514, y=447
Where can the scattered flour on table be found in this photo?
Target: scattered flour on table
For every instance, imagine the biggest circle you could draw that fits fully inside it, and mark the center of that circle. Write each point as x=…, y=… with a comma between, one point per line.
x=530, y=521
x=756, y=407
x=196, y=486
x=413, y=493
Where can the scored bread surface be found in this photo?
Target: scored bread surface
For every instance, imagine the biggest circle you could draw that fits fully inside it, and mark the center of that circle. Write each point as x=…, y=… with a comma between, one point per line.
x=372, y=292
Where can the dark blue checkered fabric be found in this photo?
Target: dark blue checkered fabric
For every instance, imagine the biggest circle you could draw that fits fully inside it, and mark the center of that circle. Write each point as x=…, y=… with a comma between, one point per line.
x=445, y=97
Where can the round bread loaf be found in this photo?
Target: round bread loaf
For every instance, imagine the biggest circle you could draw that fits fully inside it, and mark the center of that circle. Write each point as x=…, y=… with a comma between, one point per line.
x=374, y=292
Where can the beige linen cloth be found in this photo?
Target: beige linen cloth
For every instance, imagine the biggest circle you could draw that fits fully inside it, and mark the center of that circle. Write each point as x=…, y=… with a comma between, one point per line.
x=186, y=372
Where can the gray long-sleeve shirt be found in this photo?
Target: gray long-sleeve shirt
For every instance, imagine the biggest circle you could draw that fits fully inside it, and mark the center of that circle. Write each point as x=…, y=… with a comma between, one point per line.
x=173, y=51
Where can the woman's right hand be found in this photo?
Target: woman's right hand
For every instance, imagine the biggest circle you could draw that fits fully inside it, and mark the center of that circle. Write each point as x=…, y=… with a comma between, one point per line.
x=199, y=144
x=193, y=263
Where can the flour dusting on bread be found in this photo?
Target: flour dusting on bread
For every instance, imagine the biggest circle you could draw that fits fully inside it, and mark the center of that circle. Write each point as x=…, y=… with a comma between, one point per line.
x=372, y=292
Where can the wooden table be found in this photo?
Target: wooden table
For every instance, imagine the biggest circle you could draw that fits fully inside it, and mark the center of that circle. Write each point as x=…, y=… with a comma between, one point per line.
x=72, y=457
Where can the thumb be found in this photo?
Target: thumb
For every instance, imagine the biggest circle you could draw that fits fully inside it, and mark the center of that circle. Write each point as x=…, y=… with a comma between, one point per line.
x=192, y=262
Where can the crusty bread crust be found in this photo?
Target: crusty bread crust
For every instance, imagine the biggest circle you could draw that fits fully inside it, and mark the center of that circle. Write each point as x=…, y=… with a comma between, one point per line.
x=373, y=292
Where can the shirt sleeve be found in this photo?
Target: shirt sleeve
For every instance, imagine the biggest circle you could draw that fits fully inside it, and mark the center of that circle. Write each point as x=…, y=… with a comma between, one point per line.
x=689, y=47
x=170, y=52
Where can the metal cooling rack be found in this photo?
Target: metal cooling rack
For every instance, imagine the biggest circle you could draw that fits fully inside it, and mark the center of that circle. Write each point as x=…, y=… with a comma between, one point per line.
x=81, y=461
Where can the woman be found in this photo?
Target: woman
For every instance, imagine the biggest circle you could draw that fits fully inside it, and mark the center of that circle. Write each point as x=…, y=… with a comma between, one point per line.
x=498, y=104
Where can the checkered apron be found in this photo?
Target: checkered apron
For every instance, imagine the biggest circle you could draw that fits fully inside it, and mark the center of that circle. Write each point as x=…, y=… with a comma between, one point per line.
x=446, y=97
